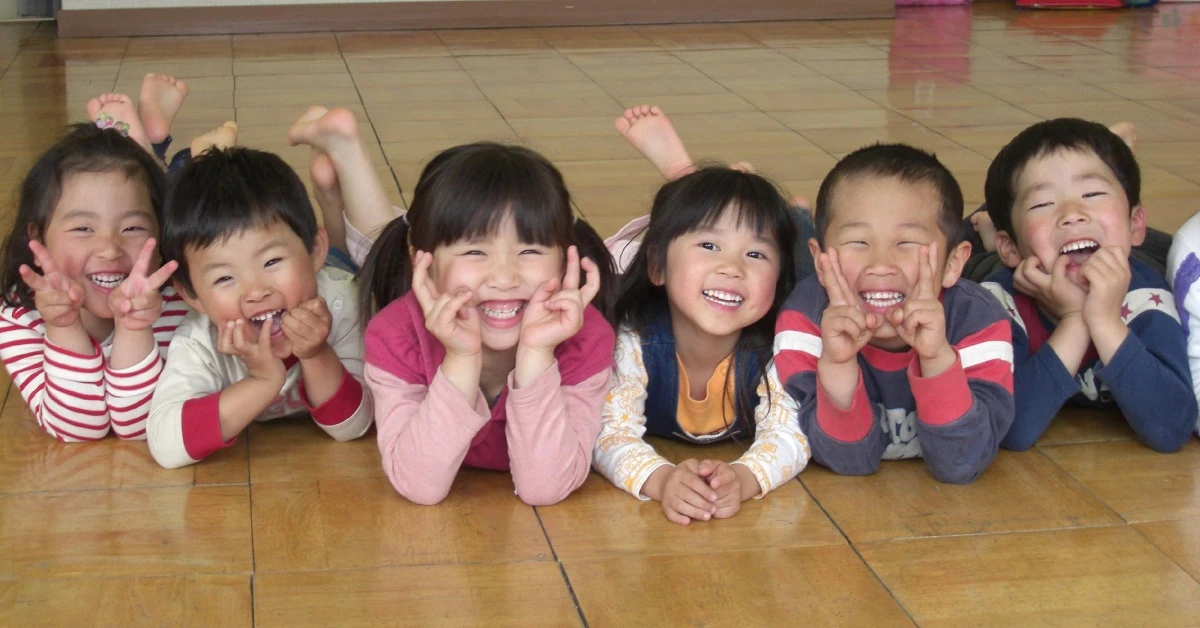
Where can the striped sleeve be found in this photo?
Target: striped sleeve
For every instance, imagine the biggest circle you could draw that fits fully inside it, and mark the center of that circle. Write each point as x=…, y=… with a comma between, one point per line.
x=64, y=390
x=128, y=390
x=964, y=412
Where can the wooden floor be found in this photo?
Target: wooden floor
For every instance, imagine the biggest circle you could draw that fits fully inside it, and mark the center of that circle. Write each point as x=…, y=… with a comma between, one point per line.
x=288, y=528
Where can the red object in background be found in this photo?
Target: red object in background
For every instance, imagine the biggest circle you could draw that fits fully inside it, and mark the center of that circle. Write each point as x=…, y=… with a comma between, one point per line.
x=1070, y=4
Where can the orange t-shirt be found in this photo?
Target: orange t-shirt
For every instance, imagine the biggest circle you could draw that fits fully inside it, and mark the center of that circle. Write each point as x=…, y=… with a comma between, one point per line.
x=712, y=414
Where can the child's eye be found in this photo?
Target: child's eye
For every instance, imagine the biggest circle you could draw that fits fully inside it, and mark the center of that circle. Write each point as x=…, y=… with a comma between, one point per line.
x=82, y=229
x=473, y=252
x=135, y=228
x=757, y=255
x=1091, y=194
x=273, y=261
x=709, y=246
x=909, y=242
x=531, y=252
x=854, y=243
x=1040, y=205
x=222, y=279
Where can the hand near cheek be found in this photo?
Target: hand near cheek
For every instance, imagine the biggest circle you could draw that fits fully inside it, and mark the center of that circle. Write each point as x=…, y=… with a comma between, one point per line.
x=921, y=323
x=845, y=329
x=448, y=317
x=258, y=357
x=1107, y=273
x=56, y=296
x=307, y=327
x=137, y=303
x=555, y=314
x=722, y=479
x=1060, y=295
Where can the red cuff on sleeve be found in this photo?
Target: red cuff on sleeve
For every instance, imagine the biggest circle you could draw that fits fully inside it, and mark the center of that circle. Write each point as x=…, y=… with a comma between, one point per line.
x=202, y=427
x=340, y=406
x=850, y=425
x=941, y=399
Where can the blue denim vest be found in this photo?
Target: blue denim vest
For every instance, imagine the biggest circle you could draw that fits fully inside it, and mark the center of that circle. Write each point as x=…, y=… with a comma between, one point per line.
x=662, y=386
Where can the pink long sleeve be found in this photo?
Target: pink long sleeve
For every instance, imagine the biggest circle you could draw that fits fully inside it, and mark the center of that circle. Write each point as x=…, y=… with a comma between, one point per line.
x=551, y=432
x=424, y=432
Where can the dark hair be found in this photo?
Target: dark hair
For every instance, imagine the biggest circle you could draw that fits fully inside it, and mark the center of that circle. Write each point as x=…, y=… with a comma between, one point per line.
x=1052, y=136
x=224, y=192
x=85, y=149
x=467, y=191
x=694, y=202
x=908, y=164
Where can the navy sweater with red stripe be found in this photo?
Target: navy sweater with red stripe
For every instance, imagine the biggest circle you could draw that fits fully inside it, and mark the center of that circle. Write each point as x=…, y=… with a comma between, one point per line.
x=954, y=420
x=1148, y=377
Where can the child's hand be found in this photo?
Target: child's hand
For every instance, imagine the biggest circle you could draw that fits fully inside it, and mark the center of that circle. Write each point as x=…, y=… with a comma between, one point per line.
x=722, y=479
x=1107, y=274
x=56, y=296
x=446, y=317
x=1054, y=290
x=844, y=327
x=687, y=496
x=136, y=304
x=921, y=323
x=553, y=315
x=307, y=327
x=258, y=357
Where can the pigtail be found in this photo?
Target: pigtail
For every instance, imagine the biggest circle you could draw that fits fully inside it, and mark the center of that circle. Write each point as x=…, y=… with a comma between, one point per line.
x=386, y=274
x=591, y=246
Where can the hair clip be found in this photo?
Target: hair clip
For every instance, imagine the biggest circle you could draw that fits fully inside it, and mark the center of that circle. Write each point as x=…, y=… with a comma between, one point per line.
x=105, y=121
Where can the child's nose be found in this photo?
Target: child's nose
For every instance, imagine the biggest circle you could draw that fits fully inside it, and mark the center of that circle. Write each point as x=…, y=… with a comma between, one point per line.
x=502, y=275
x=257, y=291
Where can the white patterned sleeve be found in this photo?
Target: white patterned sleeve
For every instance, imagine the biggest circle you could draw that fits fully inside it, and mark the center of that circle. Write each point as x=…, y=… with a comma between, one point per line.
x=620, y=454
x=780, y=449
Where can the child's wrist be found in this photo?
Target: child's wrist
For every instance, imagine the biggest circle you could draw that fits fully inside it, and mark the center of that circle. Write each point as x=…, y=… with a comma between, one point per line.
x=940, y=362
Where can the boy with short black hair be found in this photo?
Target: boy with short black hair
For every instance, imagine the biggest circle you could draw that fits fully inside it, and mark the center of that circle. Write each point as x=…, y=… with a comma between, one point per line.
x=274, y=333
x=889, y=354
x=1090, y=323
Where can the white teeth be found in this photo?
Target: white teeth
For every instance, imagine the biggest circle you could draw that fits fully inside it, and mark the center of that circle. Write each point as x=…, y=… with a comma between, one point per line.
x=1080, y=245
x=882, y=298
x=266, y=316
x=501, y=314
x=107, y=280
x=724, y=298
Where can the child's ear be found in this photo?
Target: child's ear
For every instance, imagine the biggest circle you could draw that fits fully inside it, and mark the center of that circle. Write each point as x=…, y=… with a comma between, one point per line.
x=955, y=262
x=1007, y=248
x=1137, y=225
x=192, y=301
x=657, y=277
x=814, y=249
x=320, y=249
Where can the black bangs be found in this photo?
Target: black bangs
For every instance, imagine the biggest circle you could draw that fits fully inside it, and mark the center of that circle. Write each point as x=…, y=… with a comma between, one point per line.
x=491, y=182
x=699, y=200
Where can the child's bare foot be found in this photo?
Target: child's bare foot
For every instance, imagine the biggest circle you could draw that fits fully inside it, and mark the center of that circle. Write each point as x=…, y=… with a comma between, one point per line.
x=1125, y=131
x=116, y=111
x=743, y=166
x=223, y=136
x=160, y=100
x=324, y=128
x=986, y=229
x=328, y=192
x=649, y=131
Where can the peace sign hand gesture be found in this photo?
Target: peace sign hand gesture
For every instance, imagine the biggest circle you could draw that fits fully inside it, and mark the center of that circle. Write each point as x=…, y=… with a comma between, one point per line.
x=555, y=314
x=447, y=316
x=845, y=329
x=921, y=323
x=136, y=304
x=56, y=296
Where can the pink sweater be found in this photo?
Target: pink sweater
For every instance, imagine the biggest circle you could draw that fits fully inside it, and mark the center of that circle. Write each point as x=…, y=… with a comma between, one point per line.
x=543, y=432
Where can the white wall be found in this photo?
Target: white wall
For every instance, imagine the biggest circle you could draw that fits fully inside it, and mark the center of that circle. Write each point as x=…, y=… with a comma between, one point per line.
x=69, y=5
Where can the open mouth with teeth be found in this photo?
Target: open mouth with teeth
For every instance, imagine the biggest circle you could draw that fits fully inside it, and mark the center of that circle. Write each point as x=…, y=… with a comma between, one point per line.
x=107, y=281
x=724, y=298
x=882, y=299
x=273, y=317
x=502, y=314
x=1079, y=251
